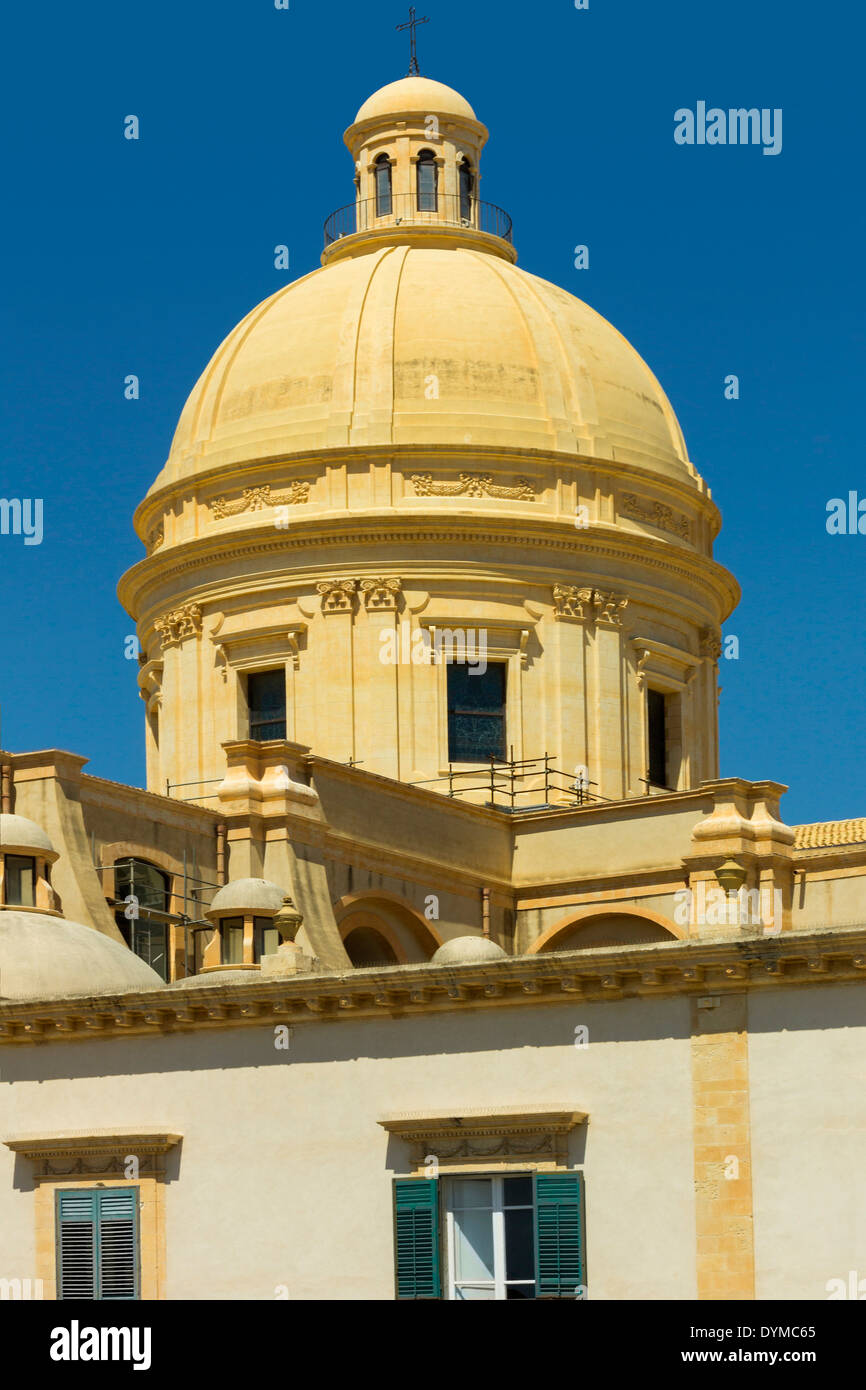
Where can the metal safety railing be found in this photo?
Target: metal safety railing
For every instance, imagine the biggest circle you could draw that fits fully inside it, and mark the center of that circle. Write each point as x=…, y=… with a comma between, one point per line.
x=405, y=210
x=509, y=781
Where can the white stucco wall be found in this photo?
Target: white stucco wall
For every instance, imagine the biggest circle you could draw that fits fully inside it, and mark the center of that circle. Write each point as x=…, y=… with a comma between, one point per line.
x=807, y=1070
x=285, y=1175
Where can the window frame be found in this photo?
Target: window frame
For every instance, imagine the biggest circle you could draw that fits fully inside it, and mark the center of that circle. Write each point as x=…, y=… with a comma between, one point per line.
x=479, y=758
x=231, y=924
x=19, y=860
x=427, y=160
x=466, y=190
x=382, y=165
x=499, y=1283
x=260, y=723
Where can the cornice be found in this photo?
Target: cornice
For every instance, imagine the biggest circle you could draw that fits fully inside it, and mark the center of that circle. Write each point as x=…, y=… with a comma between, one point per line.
x=686, y=968
x=603, y=541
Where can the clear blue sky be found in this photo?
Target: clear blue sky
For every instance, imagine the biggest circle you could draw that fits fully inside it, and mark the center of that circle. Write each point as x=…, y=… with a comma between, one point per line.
x=139, y=257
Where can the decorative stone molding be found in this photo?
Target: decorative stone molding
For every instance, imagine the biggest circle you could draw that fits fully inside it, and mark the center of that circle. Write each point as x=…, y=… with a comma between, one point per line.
x=656, y=513
x=100, y=1153
x=692, y=966
x=471, y=485
x=584, y=604
x=150, y=684
x=671, y=666
x=381, y=594
x=155, y=539
x=507, y=1137
x=710, y=643
x=338, y=595
x=258, y=499
x=180, y=623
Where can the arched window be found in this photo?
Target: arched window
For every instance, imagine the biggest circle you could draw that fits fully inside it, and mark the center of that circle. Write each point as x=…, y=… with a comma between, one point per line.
x=143, y=920
x=467, y=189
x=427, y=181
x=383, y=186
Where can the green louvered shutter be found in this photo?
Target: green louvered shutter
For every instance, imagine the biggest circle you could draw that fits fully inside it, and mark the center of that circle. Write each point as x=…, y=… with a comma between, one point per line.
x=416, y=1220
x=76, y=1244
x=97, y=1244
x=559, y=1259
x=118, y=1243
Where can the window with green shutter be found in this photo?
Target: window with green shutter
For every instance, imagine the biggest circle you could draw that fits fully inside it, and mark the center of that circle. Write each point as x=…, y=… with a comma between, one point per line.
x=504, y=1236
x=416, y=1227
x=559, y=1257
x=98, y=1243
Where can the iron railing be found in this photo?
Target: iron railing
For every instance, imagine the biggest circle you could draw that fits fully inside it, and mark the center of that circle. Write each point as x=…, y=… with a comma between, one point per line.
x=508, y=780
x=402, y=210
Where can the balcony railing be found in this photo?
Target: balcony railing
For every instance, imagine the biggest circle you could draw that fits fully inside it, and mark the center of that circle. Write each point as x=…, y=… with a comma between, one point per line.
x=518, y=784
x=402, y=210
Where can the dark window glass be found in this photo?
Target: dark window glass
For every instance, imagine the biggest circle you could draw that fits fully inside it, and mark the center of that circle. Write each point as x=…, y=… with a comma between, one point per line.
x=148, y=883
x=20, y=881
x=427, y=178
x=383, y=186
x=266, y=937
x=519, y=1252
x=266, y=696
x=467, y=183
x=657, y=738
x=145, y=931
x=476, y=713
x=518, y=1192
x=232, y=933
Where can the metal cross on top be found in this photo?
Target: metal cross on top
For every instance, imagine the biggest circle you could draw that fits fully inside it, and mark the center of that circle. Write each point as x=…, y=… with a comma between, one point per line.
x=412, y=24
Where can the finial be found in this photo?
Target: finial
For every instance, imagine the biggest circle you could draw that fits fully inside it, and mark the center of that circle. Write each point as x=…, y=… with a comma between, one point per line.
x=288, y=920
x=412, y=24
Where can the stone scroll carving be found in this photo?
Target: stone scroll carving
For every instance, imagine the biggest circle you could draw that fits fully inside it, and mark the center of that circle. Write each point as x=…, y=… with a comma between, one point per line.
x=258, y=499
x=657, y=514
x=471, y=485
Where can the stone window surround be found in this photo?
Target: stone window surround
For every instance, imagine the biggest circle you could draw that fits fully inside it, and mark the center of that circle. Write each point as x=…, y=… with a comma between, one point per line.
x=506, y=642
x=98, y=1158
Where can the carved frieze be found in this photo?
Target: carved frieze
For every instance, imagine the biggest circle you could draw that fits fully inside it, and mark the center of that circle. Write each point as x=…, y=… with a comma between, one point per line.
x=582, y=603
x=471, y=485
x=180, y=623
x=258, y=499
x=656, y=514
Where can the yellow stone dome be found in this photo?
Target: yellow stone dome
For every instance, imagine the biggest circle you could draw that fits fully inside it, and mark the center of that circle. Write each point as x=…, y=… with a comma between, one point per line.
x=413, y=344
x=415, y=94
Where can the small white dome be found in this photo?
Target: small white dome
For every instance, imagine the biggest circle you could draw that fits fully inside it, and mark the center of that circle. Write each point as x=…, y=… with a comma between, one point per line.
x=246, y=895
x=44, y=957
x=18, y=835
x=466, y=950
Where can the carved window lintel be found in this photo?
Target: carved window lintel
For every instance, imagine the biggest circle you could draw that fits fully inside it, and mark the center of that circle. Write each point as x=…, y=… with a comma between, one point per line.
x=500, y=1139
x=102, y=1153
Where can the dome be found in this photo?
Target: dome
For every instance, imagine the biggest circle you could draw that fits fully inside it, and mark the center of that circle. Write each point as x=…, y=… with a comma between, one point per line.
x=44, y=957
x=246, y=895
x=468, y=950
x=341, y=358
x=415, y=94
x=21, y=836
